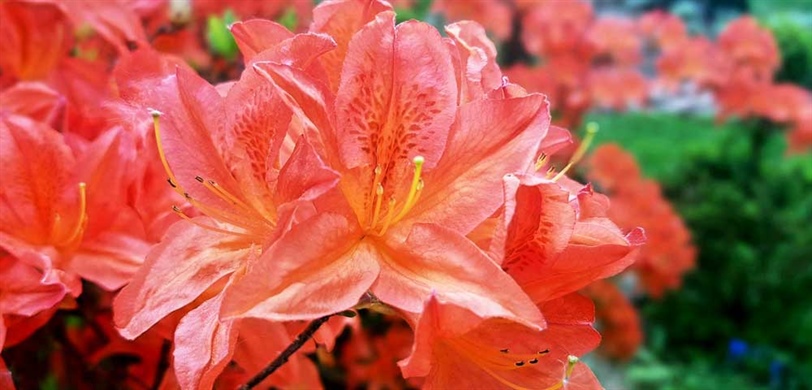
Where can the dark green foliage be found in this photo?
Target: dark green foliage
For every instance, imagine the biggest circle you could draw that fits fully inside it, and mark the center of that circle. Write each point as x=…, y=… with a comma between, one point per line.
x=795, y=44
x=749, y=208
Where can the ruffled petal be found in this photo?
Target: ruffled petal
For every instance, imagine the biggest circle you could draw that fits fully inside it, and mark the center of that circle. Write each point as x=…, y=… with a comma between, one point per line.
x=176, y=272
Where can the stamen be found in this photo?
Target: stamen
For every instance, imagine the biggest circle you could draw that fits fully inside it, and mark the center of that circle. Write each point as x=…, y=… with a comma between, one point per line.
x=571, y=362
x=218, y=190
x=550, y=172
x=541, y=161
x=156, y=124
x=81, y=222
x=222, y=215
x=388, y=220
x=373, y=191
x=591, y=130
x=414, y=188
x=183, y=215
x=378, y=200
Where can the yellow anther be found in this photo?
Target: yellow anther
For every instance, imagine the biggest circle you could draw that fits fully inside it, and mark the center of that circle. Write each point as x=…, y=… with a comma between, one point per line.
x=415, y=187
x=541, y=161
x=591, y=130
x=550, y=172
x=81, y=221
x=571, y=362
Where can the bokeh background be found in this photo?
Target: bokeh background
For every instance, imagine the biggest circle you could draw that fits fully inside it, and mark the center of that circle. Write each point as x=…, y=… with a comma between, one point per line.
x=735, y=313
x=704, y=114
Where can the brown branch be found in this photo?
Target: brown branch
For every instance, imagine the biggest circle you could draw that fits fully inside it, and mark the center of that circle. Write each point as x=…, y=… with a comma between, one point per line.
x=297, y=343
x=163, y=365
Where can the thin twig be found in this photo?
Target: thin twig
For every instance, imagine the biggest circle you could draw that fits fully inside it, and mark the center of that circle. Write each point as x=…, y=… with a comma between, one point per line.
x=163, y=365
x=302, y=338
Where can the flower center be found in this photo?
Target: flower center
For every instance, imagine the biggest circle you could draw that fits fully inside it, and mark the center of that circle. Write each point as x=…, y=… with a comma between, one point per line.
x=383, y=216
x=497, y=362
x=235, y=216
x=78, y=230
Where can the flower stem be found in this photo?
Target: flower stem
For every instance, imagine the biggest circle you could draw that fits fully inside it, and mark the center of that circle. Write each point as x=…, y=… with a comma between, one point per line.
x=306, y=334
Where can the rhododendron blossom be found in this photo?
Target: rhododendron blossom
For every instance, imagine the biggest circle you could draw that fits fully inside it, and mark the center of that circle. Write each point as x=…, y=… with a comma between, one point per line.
x=415, y=177
x=241, y=210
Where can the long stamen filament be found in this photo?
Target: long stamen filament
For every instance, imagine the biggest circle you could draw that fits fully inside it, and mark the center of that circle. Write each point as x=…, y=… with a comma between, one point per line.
x=571, y=362
x=378, y=200
x=81, y=221
x=221, y=192
x=591, y=130
x=388, y=220
x=411, y=199
x=156, y=124
x=223, y=215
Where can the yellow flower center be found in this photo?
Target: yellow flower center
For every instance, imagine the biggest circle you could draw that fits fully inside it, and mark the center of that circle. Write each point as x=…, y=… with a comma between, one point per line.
x=383, y=217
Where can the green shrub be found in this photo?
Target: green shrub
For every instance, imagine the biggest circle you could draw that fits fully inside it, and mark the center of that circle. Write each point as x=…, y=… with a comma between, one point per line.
x=749, y=208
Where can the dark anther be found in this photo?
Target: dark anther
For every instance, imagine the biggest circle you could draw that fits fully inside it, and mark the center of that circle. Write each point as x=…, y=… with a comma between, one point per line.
x=187, y=196
x=544, y=352
x=520, y=363
x=176, y=209
x=171, y=183
x=533, y=361
x=504, y=350
x=199, y=179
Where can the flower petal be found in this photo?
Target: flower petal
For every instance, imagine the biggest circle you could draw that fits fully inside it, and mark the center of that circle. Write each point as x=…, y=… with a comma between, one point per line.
x=315, y=269
x=397, y=96
x=203, y=346
x=176, y=272
x=490, y=138
x=436, y=260
x=256, y=35
x=341, y=19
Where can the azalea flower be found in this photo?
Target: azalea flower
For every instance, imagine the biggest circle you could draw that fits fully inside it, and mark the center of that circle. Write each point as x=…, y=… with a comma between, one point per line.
x=246, y=183
x=416, y=176
x=668, y=252
x=454, y=348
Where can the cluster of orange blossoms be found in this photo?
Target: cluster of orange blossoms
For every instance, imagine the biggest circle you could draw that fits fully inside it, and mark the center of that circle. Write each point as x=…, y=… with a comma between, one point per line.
x=357, y=164
x=738, y=68
x=586, y=61
x=637, y=201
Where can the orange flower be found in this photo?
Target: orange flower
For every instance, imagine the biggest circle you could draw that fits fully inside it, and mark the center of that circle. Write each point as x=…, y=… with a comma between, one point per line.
x=494, y=15
x=668, y=252
x=35, y=39
x=666, y=30
x=556, y=27
x=618, y=88
x=454, y=348
x=616, y=40
x=231, y=158
x=751, y=48
x=416, y=176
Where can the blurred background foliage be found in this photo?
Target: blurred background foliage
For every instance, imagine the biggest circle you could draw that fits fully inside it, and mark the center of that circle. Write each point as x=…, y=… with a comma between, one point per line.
x=742, y=319
x=748, y=207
